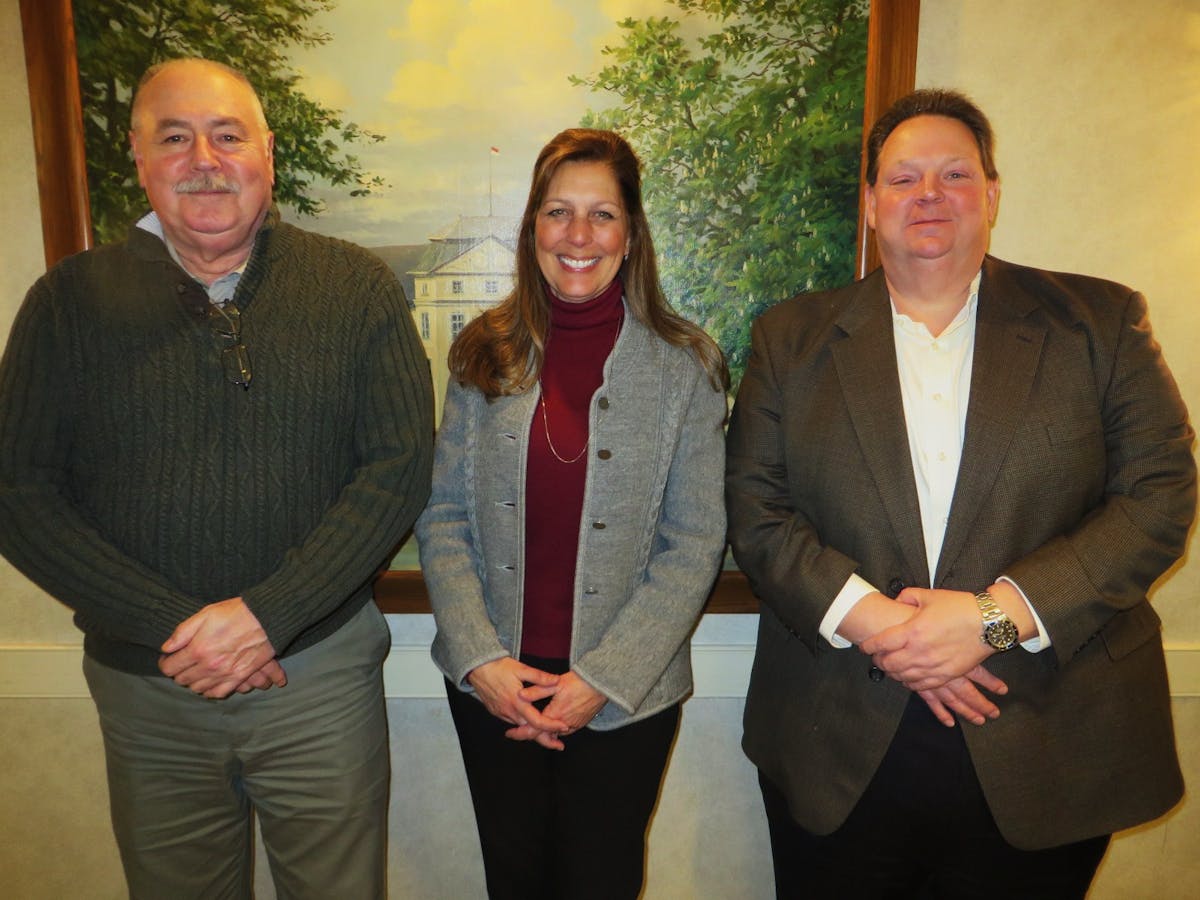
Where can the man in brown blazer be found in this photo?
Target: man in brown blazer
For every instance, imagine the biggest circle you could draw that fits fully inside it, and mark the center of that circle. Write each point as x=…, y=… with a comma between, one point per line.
x=951, y=486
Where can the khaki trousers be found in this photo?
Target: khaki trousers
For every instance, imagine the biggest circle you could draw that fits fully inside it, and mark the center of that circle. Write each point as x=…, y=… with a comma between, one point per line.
x=187, y=774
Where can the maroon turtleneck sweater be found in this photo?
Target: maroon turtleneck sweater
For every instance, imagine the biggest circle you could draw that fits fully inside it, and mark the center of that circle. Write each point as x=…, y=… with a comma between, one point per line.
x=581, y=338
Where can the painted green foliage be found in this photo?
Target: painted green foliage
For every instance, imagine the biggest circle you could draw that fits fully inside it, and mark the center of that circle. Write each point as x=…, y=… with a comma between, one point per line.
x=119, y=39
x=750, y=142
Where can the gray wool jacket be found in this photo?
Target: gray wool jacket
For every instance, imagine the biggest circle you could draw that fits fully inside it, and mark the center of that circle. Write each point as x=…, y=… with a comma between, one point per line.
x=650, y=542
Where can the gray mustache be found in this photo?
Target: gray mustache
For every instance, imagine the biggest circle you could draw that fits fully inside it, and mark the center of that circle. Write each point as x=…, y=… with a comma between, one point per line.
x=207, y=184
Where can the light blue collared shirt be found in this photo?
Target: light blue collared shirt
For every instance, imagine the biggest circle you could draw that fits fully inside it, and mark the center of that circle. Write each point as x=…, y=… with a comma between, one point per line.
x=220, y=291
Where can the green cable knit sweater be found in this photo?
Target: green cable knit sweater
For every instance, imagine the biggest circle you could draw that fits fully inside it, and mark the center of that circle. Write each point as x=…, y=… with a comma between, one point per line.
x=138, y=485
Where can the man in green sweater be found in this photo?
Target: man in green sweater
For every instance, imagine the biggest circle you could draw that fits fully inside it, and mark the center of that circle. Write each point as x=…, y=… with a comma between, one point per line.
x=211, y=436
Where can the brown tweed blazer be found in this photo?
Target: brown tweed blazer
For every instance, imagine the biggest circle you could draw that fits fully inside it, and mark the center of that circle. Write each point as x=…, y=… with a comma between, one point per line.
x=1077, y=481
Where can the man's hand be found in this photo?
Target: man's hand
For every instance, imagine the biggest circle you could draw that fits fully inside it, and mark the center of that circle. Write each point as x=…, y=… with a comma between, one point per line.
x=963, y=696
x=268, y=676
x=940, y=643
x=220, y=649
x=876, y=615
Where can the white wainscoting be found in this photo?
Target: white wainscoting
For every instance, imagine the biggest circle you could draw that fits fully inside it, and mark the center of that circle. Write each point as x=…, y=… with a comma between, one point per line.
x=52, y=671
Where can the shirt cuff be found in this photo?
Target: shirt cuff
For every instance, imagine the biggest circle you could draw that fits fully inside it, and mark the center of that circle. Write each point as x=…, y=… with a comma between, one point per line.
x=852, y=591
x=1042, y=641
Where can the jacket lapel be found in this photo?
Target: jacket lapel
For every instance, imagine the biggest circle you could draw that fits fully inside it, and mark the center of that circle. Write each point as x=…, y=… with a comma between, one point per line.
x=865, y=360
x=1008, y=350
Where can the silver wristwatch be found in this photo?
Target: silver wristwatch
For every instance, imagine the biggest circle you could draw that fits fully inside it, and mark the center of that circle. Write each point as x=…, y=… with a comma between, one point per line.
x=999, y=632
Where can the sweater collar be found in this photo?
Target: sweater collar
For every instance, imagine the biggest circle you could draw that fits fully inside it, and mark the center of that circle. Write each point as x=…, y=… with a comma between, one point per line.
x=147, y=240
x=601, y=309
x=150, y=246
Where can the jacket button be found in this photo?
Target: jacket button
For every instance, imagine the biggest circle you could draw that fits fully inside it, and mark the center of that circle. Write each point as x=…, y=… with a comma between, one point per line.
x=875, y=674
x=599, y=526
x=602, y=403
x=589, y=591
x=604, y=454
x=895, y=586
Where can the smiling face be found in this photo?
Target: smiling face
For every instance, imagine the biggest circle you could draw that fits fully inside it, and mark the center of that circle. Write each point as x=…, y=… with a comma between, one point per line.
x=931, y=201
x=205, y=159
x=582, y=231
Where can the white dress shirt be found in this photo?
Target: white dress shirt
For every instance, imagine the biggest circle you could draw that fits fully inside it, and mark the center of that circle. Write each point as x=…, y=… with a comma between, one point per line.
x=935, y=386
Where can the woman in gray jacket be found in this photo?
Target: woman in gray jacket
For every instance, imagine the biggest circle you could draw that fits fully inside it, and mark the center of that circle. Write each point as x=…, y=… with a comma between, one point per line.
x=575, y=529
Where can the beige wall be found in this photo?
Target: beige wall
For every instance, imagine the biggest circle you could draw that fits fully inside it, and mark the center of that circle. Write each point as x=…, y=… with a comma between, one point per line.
x=1095, y=103
x=28, y=614
x=19, y=217
x=1096, y=108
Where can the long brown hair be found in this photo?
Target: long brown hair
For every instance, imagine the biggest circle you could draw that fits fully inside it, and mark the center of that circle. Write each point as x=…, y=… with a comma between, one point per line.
x=501, y=351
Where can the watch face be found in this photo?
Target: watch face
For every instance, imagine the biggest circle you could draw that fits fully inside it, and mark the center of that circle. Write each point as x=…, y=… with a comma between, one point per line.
x=1001, y=635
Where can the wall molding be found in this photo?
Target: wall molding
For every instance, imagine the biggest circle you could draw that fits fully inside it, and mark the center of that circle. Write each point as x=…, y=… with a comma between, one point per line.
x=53, y=672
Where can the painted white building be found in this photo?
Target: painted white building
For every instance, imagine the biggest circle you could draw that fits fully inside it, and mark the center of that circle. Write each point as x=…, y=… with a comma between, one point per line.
x=466, y=268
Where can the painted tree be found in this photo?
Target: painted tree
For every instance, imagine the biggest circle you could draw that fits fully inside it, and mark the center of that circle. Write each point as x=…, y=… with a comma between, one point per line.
x=750, y=141
x=119, y=39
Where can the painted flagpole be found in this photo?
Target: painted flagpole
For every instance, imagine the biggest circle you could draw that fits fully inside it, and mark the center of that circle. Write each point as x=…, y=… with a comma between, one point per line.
x=495, y=151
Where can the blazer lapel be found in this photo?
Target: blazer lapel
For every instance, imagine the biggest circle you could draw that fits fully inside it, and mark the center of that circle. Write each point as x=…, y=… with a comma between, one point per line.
x=1007, y=353
x=866, y=365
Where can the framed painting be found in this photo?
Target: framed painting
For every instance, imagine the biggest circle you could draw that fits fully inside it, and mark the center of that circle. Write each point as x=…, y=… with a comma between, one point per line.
x=748, y=119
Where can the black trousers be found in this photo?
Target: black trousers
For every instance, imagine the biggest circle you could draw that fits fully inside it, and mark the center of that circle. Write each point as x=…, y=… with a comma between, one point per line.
x=569, y=824
x=922, y=830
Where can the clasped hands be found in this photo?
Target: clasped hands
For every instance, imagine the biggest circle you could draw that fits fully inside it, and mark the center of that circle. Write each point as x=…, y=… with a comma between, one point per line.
x=219, y=650
x=509, y=689
x=937, y=653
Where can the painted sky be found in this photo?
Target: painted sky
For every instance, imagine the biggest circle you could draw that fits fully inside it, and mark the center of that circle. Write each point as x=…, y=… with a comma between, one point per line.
x=444, y=81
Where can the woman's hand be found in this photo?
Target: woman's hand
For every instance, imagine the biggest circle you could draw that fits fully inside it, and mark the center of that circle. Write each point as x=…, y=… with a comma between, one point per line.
x=500, y=685
x=573, y=701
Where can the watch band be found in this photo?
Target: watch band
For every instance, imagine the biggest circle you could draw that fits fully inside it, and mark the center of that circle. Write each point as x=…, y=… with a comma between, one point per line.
x=998, y=632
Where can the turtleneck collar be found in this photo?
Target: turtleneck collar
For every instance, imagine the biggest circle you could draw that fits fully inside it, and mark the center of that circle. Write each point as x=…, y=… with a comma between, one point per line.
x=602, y=308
